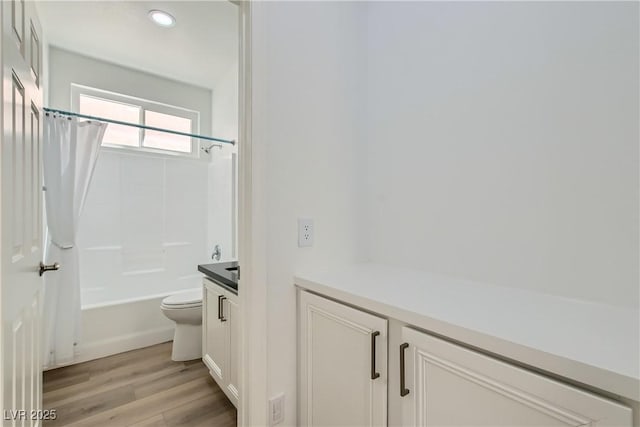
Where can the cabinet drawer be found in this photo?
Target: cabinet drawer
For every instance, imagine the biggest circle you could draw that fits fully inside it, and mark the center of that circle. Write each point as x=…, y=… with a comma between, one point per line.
x=447, y=384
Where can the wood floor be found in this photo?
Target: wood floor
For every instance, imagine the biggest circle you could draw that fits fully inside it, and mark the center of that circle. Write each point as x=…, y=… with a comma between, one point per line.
x=138, y=388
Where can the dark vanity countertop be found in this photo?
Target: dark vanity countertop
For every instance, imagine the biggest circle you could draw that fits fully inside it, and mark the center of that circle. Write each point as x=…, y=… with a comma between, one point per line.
x=223, y=273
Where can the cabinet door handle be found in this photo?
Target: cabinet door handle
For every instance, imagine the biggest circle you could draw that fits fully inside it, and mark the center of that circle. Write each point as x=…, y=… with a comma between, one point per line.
x=374, y=374
x=403, y=390
x=220, y=306
x=222, y=319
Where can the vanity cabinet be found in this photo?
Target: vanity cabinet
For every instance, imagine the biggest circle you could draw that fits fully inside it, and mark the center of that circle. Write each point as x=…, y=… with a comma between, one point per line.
x=343, y=365
x=448, y=384
x=433, y=382
x=220, y=337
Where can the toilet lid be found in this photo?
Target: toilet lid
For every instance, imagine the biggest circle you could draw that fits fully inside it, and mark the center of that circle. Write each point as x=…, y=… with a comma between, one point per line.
x=192, y=297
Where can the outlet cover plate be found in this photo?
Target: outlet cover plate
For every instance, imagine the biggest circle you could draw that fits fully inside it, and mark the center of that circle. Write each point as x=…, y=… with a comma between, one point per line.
x=276, y=409
x=305, y=232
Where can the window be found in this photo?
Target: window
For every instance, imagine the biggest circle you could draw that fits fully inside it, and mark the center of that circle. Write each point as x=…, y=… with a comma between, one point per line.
x=108, y=105
x=163, y=140
x=115, y=134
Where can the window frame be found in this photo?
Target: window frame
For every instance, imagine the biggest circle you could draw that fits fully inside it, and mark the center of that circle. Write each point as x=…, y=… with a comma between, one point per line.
x=144, y=104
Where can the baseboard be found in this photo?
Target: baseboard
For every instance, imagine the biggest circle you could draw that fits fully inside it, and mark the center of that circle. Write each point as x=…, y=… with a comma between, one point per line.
x=120, y=344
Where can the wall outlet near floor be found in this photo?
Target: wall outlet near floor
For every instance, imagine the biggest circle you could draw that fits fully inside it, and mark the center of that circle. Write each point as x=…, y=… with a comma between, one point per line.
x=276, y=409
x=305, y=232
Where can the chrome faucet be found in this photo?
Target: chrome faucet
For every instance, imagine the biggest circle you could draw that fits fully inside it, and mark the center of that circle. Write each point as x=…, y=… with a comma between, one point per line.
x=217, y=253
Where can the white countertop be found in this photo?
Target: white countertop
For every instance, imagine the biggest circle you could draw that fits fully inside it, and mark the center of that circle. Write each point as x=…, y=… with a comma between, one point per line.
x=593, y=344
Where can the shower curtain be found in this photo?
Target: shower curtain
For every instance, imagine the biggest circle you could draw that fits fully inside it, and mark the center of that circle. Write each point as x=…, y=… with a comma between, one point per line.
x=70, y=149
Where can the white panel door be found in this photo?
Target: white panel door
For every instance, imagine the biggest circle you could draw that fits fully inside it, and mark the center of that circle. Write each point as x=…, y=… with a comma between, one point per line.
x=215, y=332
x=20, y=211
x=343, y=365
x=449, y=385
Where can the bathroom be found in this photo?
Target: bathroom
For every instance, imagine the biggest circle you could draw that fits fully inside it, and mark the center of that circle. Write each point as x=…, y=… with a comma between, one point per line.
x=148, y=215
x=158, y=204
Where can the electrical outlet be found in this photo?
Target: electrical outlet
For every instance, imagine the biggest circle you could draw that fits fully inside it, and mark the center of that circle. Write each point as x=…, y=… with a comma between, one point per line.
x=276, y=409
x=305, y=232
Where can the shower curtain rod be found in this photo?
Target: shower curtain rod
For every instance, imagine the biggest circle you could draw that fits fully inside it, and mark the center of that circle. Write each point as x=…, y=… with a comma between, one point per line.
x=118, y=122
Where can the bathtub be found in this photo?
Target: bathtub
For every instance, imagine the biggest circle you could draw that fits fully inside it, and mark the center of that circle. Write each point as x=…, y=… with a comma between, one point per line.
x=122, y=317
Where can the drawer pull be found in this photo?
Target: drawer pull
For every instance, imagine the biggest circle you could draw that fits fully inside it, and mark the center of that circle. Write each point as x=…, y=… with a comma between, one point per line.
x=374, y=374
x=221, y=309
x=403, y=390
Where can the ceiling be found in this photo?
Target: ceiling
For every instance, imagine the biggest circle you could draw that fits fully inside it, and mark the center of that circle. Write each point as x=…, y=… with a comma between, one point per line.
x=199, y=49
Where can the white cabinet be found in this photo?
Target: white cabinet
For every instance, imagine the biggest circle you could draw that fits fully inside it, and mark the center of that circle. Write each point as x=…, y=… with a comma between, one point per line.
x=220, y=337
x=214, y=331
x=343, y=365
x=440, y=383
x=232, y=314
x=449, y=385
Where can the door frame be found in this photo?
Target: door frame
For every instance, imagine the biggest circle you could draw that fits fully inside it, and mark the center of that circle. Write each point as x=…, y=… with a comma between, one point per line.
x=1, y=231
x=253, y=372
x=251, y=237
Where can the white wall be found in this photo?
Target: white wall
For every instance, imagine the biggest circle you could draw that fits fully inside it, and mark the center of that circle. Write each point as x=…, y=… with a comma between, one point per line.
x=492, y=141
x=225, y=105
x=67, y=67
x=502, y=143
x=306, y=100
x=222, y=169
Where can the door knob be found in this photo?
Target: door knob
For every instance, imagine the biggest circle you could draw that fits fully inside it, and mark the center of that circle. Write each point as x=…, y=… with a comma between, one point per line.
x=51, y=267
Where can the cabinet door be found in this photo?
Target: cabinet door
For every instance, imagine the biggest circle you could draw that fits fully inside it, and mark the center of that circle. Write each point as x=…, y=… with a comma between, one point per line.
x=450, y=385
x=343, y=359
x=232, y=314
x=214, y=343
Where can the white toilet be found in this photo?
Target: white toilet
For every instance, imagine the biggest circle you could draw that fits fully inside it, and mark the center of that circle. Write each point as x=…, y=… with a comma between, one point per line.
x=185, y=308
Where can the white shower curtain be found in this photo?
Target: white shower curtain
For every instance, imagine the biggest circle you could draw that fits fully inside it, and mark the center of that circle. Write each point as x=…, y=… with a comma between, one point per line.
x=70, y=149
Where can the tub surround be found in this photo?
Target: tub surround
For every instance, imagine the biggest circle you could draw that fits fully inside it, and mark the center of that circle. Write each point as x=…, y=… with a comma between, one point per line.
x=223, y=273
x=109, y=329
x=119, y=320
x=583, y=342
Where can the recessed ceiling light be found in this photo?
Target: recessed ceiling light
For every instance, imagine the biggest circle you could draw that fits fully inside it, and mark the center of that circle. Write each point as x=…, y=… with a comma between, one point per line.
x=162, y=18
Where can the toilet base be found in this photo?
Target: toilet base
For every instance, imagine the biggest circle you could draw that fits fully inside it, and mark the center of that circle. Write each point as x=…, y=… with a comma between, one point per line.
x=187, y=343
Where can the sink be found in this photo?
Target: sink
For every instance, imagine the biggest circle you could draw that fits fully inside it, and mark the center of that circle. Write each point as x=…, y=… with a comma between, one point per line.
x=222, y=272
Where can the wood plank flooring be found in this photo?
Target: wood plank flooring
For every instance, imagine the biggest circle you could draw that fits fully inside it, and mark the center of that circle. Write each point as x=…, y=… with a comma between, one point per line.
x=138, y=388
